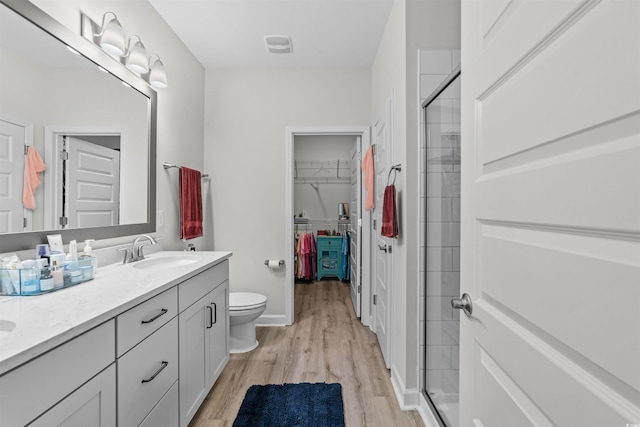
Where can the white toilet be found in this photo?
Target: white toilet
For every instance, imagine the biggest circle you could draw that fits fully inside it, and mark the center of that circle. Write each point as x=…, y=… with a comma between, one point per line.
x=244, y=309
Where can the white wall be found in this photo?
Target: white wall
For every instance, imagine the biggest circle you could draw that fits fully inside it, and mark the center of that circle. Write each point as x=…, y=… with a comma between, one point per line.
x=180, y=130
x=247, y=112
x=323, y=174
x=413, y=24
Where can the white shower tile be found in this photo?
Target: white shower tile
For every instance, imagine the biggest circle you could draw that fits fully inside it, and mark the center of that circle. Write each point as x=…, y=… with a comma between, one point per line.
x=446, y=332
x=438, y=357
x=439, y=308
x=429, y=83
x=434, y=61
x=455, y=357
x=439, y=209
x=455, y=209
x=450, y=381
x=456, y=258
x=443, y=234
x=439, y=259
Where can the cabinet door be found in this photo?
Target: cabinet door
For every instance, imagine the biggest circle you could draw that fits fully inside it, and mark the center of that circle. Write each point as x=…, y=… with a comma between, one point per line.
x=193, y=350
x=92, y=405
x=218, y=331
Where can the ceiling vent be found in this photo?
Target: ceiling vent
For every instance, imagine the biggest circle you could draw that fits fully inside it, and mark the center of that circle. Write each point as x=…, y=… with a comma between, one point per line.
x=278, y=44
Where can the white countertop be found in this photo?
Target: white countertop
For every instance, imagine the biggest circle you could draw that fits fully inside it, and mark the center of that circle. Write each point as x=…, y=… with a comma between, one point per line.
x=45, y=321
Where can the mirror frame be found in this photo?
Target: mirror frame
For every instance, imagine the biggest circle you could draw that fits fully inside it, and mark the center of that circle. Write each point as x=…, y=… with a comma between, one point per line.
x=13, y=242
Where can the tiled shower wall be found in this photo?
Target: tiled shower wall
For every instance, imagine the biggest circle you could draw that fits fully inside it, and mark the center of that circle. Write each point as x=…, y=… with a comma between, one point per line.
x=440, y=226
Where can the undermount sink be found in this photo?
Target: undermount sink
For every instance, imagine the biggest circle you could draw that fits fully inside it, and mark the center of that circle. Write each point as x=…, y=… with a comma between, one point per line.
x=166, y=261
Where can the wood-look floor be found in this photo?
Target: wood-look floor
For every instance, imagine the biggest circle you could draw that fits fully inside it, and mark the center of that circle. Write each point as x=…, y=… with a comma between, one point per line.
x=326, y=343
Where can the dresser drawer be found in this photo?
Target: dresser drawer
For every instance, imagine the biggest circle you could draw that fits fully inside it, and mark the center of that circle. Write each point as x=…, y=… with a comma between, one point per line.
x=329, y=242
x=193, y=289
x=146, y=373
x=142, y=320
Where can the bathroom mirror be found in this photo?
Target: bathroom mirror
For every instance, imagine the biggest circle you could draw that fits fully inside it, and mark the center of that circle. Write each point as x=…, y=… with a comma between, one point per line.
x=90, y=119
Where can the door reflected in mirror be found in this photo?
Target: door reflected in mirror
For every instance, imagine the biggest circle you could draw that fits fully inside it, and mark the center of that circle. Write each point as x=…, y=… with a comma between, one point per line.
x=92, y=132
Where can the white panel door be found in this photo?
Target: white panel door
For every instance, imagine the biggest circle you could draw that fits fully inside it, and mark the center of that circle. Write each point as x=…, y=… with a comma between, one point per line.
x=94, y=193
x=382, y=245
x=354, y=225
x=550, y=213
x=12, y=142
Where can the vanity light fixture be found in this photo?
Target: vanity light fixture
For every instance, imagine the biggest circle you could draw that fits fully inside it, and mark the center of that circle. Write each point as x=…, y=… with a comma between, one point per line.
x=157, y=76
x=111, y=35
x=136, y=58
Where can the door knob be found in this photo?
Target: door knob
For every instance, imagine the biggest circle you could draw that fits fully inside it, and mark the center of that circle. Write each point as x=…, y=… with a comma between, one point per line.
x=463, y=304
x=382, y=248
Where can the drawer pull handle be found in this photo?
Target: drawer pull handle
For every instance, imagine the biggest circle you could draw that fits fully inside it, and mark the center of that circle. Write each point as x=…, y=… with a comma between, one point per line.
x=162, y=312
x=210, y=317
x=164, y=365
x=215, y=316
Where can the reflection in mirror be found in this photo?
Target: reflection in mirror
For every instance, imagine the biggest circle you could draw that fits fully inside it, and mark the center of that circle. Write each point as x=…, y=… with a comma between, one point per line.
x=94, y=133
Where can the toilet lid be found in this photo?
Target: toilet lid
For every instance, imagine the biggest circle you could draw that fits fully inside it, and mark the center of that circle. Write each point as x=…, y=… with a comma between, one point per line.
x=245, y=300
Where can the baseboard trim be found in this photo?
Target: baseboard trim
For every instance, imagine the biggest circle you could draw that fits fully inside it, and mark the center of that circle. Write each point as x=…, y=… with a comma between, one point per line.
x=412, y=399
x=272, y=320
x=408, y=399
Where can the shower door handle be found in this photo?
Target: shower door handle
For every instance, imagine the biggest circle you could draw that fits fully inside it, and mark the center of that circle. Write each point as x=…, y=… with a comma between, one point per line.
x=463, y=304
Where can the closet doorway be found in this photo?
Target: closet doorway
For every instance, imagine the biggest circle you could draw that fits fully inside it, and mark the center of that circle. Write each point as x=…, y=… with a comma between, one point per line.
x=325, y=193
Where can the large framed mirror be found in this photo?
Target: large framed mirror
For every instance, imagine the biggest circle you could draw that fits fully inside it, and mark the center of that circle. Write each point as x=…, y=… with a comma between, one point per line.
x=91, y=121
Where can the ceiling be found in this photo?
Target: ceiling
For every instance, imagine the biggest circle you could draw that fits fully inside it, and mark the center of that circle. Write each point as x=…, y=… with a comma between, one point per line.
x=324, y=33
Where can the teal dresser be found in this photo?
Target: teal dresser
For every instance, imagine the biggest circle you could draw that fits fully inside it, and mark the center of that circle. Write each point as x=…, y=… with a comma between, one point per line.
x=329, y=256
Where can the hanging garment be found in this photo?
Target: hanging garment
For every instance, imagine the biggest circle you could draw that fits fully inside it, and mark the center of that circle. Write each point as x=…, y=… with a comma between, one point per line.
x=367, y=167
x=190, y=203
x=345, y=256
x=33, y=165
x=389, y=217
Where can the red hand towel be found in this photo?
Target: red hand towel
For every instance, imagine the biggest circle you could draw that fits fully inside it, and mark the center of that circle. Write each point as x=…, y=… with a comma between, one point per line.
x=190, y=203
x=33, y=165
x=389, y=218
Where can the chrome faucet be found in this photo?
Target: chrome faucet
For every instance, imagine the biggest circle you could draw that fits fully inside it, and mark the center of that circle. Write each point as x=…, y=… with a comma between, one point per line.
x=136, y=248
x=135, y=253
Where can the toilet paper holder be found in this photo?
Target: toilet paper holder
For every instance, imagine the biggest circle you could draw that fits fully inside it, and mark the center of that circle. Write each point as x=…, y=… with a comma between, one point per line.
x=280, y=262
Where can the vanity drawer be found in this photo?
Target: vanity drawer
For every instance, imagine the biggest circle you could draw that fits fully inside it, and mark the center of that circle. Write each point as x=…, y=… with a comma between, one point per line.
x=36, y=386
x=193, y=289
x=139, y=322
x=166, y=411
x=146, y=373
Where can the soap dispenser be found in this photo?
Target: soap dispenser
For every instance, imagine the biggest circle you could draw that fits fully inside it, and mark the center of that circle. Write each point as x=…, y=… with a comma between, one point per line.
x=87, y=253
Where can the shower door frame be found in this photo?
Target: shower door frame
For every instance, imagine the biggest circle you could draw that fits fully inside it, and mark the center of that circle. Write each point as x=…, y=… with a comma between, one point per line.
x=428, y=101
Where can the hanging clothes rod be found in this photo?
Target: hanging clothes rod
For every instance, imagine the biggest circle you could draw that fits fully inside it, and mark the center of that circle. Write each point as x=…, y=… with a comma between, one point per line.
x=171, y=165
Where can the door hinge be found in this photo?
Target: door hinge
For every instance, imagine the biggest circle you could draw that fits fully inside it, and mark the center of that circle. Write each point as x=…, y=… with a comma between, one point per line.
x=64, y=155
x=26, y=149
x=24, y=222
x=375, y=300
x=64, y=220
x=359, y=288
x=374, y=224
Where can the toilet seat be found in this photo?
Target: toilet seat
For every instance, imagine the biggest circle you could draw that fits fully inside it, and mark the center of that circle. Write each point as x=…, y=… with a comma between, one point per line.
x=240, y=301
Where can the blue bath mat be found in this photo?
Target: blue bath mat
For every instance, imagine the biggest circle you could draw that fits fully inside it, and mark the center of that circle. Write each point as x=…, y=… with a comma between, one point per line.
x=292, y=405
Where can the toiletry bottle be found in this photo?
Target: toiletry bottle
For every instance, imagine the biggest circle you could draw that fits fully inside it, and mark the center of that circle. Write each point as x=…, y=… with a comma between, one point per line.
x=57, y=273
x=42, y=251
x=46, y=279
x=29, y=278
x=88, y=253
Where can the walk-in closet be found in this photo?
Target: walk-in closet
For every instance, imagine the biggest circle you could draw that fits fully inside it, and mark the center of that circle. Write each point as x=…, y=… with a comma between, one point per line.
x=322, y=199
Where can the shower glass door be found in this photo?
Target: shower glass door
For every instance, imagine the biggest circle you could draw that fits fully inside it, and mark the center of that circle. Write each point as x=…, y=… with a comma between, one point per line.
x=442, y=331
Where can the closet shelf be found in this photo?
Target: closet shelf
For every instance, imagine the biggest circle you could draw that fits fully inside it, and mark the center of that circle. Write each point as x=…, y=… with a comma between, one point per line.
x=326, y=180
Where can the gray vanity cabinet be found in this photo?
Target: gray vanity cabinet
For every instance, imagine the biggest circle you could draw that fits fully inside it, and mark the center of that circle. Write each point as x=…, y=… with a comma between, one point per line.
x=203, y=332
x=73, y=384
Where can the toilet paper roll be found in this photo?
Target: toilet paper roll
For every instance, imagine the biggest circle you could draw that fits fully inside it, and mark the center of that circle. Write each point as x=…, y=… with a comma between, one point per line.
x=274, y=263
